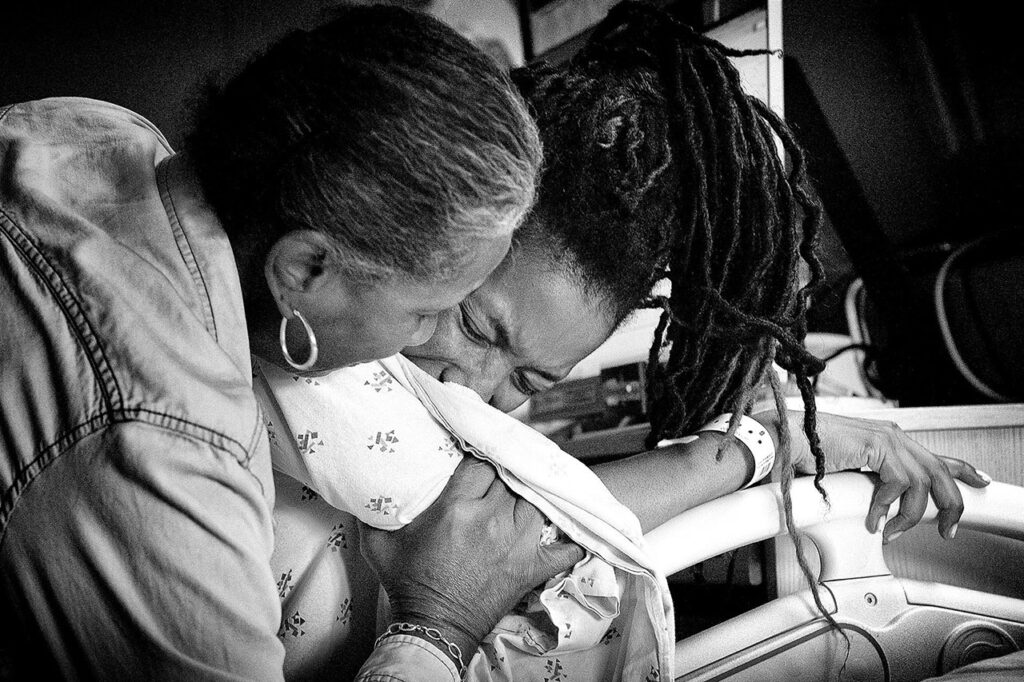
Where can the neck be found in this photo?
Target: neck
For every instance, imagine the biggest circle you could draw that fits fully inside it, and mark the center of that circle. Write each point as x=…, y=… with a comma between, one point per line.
x=261, y=316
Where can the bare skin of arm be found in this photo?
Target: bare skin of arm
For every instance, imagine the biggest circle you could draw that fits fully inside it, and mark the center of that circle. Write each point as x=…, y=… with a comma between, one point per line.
x=659, y=484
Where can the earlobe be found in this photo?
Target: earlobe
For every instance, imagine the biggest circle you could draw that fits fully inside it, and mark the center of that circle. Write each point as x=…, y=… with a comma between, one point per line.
x=296, y=266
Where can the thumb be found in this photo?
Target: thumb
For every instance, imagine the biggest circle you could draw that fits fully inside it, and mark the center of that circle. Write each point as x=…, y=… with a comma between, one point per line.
x=560, y=556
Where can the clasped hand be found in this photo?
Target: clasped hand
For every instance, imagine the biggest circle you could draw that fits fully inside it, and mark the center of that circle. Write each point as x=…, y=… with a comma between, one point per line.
x=468, y=559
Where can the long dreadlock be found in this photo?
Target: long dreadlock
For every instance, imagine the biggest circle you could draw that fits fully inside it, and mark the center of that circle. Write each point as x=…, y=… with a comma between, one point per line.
x=659, y=166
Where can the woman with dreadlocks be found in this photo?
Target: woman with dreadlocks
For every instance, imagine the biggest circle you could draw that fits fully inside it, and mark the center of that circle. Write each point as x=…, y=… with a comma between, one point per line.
x=658, y=166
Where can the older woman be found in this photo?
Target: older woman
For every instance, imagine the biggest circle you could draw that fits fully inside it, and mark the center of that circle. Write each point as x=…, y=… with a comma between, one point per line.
x=334, y=185
x=657, y=165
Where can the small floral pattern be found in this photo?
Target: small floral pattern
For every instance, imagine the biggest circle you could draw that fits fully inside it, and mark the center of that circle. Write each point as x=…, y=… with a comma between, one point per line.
x=308, y=442
x=380, y=381
x=292, y=626
x=381, y=505
x=384, y=441
x=337, y=541
x=368, y=447
x=284, y=584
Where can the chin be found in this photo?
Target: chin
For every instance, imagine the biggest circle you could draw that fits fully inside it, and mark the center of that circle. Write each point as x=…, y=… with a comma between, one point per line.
x=431, y=367
x=312, y=373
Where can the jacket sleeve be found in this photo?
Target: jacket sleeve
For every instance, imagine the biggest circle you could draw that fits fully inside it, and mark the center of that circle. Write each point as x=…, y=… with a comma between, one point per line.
x=403, y=658
x=142, y=553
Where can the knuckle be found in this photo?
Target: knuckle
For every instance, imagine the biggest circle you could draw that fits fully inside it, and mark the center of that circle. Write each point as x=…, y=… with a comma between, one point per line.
x=891, y=440
x=920, y=482
x=878, y=445
x=873, y=447
x=902, y=522
x=461, y=515
x=494, y=527
x=902, y=481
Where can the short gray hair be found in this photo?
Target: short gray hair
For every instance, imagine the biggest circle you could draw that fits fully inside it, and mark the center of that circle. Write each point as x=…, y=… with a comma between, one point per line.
x=383, y=129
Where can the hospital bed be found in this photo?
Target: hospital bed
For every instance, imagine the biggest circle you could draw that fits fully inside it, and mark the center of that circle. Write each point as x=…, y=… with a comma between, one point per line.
x=902, y=624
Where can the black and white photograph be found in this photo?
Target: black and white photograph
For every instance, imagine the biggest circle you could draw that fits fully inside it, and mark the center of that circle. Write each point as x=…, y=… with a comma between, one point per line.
x=512, y=340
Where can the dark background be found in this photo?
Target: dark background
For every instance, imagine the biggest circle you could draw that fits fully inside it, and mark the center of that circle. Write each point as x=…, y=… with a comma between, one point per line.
x=911, y=112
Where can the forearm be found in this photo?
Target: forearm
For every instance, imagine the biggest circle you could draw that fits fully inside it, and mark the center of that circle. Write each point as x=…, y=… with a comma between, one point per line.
x=659, y=484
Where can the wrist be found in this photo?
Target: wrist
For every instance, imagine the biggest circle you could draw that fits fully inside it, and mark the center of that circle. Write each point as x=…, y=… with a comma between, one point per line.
x=450, y=637
x=793, y=421
x=769, y=419
x=457, y=646
x=754, y=438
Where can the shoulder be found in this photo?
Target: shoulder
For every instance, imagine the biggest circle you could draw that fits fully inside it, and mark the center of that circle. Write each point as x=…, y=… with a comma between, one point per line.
x=79, y=116
x=106, y=321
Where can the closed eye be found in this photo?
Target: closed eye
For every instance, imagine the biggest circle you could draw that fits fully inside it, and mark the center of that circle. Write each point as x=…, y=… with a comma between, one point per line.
x=470, y=329
x=523, y=384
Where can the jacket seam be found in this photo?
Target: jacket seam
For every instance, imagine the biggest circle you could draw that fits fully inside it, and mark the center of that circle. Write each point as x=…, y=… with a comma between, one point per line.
x=185, y=248
x=73, y=312
x=134, y=117
x=50, y=453
x=258, y=429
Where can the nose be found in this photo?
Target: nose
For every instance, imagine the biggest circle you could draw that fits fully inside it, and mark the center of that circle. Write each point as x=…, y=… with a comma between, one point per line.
x=425, y=330
x=483, y=379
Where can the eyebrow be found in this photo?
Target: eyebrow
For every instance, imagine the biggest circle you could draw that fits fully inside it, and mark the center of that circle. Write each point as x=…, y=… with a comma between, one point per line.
x=503, y=341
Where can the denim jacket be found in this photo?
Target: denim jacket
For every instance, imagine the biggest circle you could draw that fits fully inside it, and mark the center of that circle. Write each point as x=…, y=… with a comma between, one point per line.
x=135, y=482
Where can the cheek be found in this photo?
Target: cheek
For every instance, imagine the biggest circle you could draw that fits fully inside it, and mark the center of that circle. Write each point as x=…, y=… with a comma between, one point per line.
x=443, y=343
x=424, y=330
x=506, y=398
x=378, y=338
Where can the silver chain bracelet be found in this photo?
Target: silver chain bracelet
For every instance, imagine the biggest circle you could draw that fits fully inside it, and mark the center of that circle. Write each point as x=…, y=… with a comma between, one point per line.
x=429, y=633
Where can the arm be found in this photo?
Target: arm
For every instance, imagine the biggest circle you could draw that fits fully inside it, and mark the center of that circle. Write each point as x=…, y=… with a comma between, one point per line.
x=659, y=484
x=139, y=551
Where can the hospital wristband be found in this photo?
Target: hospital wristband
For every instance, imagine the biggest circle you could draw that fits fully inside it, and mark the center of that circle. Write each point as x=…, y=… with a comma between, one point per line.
x=752, y=434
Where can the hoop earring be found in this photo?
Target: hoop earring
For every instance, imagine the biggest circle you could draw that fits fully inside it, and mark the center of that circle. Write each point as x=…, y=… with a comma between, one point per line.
x=314, y=351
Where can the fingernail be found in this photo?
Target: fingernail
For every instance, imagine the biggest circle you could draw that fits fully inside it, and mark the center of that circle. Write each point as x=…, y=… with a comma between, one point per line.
x=952, y=530
x=983, y=476
x=880, y=525
x=892, y=537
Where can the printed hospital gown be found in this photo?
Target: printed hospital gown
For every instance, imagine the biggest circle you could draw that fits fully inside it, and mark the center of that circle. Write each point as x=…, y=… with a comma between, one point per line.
x=379, y=441
x=329, y=595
